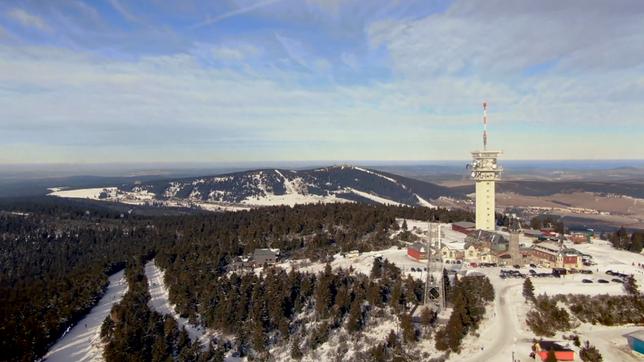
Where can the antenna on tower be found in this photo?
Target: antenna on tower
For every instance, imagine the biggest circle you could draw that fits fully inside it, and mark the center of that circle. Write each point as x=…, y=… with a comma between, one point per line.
x=484, y=126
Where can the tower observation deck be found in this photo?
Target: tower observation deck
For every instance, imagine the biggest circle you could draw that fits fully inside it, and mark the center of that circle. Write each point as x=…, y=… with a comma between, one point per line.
x=485, y=172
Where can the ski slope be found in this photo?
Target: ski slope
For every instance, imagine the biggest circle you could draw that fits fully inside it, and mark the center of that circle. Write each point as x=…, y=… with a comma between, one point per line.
x=82, y=342
x=160, y=302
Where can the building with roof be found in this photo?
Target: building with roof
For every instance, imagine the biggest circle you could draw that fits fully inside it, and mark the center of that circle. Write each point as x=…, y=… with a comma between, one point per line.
x=464, y=227
x=636, y=342
x=417, y=251
x=531, y=233
x=553, y=255
x=265, y=256
x=541, y=349
x=451, y=254
x=580, y=236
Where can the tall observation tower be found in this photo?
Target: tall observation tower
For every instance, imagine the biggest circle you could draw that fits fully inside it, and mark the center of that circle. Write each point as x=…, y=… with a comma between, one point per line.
x=485, y=172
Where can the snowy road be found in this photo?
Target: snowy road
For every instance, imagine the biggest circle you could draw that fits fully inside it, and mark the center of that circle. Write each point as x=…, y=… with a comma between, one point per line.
x=82, y=343
x=503, y=332
x=160, y=302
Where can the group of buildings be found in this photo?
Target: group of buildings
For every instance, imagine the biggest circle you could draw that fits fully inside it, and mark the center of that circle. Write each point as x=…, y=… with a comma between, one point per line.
x=487, y=247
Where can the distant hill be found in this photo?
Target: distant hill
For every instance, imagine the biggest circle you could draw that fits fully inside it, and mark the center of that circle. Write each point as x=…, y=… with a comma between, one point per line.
x=276, y=187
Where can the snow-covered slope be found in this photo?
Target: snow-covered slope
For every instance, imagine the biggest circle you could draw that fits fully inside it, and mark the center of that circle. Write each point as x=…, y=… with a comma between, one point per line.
x=82, y=342
x=273, y=187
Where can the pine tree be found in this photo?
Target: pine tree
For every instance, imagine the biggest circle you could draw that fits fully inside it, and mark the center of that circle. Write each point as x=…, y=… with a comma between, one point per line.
x=296, y=352
x=409, y=332
x=324, y=293
x=455, y=331
x=441, y=340
x=404, y=225
x=396, y=295
x=374, y=296
x=354, y=322
x=426, y=317
x=528, y=290
x=588, y=353
x=447, y=286
x=376, y=269
x=630, y=285
x=258, y=337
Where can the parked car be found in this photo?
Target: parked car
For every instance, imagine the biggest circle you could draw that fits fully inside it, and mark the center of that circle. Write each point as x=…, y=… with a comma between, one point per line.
x=586, y=281
x=517, y=266
x=586, y=271
x=533, y=265
x=413, y=269
x=609, y=272
x=616, y=280
x=560, y=271
x=603, y=281
x=532, y=271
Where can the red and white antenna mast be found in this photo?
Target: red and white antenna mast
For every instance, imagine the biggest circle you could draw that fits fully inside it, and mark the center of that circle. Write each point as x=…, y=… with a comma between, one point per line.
x=484, y=126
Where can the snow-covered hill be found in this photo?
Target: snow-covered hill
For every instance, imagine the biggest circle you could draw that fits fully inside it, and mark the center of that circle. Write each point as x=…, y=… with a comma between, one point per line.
x=273, y=187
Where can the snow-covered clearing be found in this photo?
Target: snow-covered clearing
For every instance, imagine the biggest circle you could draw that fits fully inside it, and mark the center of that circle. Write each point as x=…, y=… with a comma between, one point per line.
x=160, y=302
x=378, y=199
x=291, y=199
x=92, y=193
x=82, y=342
x=375, y=174
x=424, y=202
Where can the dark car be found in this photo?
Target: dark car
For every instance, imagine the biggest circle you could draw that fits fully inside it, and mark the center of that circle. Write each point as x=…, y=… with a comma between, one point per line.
x=617, y=280
x=603, y=281
x=516, y=266
x=533, y=265
x=586, y=281
x=586, y=271
x=413, y=269
x=609, y=272
x=532, y=271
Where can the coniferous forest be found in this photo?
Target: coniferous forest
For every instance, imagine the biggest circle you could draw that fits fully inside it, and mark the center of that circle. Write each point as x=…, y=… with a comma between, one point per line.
x=56, y=254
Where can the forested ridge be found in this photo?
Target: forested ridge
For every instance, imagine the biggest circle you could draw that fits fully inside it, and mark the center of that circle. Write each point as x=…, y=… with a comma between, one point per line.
x=54, y=262
x=56, y=254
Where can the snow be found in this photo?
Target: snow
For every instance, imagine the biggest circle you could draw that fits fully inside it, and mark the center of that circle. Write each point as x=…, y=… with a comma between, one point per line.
x=424, y=202
x=375, y=174
x=291, y=200
x=378, y=199
x=160, y=302
x=92, y=193
x=506, y=332
x=503, y=330
x=83, y=342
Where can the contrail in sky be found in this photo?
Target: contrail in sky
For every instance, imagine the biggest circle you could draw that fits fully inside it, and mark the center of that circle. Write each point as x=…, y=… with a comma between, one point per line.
x=230, y=14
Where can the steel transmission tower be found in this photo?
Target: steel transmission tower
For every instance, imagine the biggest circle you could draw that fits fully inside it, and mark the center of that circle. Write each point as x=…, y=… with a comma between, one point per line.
x=434, y=288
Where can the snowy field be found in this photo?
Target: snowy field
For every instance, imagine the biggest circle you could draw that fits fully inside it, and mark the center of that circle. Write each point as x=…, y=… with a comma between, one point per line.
x=82, y=342
x=159, y=301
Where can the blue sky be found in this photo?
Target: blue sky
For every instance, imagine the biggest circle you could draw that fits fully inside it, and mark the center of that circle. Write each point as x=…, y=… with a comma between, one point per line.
x=210, y=81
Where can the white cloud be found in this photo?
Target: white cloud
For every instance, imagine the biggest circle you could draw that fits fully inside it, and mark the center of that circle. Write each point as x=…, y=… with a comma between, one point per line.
x=29, y=20
x=235, y=53
x=508, y=36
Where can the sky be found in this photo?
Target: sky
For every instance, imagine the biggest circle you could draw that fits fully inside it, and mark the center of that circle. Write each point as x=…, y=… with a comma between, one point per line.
x=296, y=80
